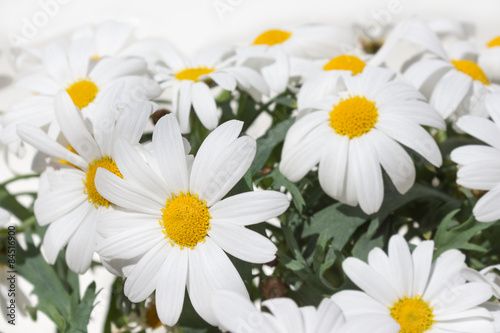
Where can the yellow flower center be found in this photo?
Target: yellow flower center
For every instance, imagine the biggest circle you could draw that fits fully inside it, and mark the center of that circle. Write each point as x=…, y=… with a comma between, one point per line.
x=186, y=220
x=494, y=42
x=347, y=63
x=472, y=69
x=353, y=116
x=413, y=314
x=95, y=57
x=82, y=93
x=94, y=197
x=272, y=37
x=193, y=74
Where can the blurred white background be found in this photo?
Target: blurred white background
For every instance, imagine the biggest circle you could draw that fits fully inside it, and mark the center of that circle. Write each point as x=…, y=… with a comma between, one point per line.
x=192, y=25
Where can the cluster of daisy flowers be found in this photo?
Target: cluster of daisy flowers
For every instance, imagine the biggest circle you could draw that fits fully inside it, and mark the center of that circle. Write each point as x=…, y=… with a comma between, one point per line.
x=150, y=164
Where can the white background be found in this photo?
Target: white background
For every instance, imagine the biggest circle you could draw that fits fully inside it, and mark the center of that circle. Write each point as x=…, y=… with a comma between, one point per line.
x=192, y=25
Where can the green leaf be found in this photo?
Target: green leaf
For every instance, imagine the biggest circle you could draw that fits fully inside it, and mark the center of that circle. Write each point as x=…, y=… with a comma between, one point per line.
x=267, y=143
x=458, y=236
x=80, y=310
x=280, y=181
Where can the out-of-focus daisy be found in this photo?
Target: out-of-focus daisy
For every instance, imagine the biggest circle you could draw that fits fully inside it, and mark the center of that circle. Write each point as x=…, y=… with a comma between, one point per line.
x=478, y=164
x=4, y=216
x=108, y=39
x=357, y=130
x=71, y=204
x=236, y=313
x=175, y=222
x=190, y=79
x=420, y=295
x=273, y=50
x=69, y=70
x=452, y=83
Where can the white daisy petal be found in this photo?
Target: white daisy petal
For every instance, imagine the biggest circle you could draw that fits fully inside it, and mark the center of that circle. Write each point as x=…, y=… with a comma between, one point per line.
x=277, y=74
x=143, y=278
x=481, y=175
x=369, y=184
x=474, y=153
x=378, y=287
x=333, y=167
x=60, y=231
x=57, y=203
x=73, y=128
x=250, y=207
x=242, y=243
x=132, y=121
x=354, y=302
x=40, y=83
x=402, y=264
x=420, y=72
x=395, y=161
x=117, y=221
x=104, y=128
x=412, y=136
x=122, y=193
x=223, y=80
x=184, y=105
x=234, y=311
x=464, y=297
x=135, y=169
x=487, y=208
x=108, y=69
x=204, y=105
x=450, y=91
x=210, y=269
x=130, y=244
x=81, y=247
x=492, y=104
x=444, y=269
x=40, y=140
x=481, y=128
x=79, y=56
x=286, y=311
x=169, y=149
x=171, y=287
x=55, y=61
x=422, y=263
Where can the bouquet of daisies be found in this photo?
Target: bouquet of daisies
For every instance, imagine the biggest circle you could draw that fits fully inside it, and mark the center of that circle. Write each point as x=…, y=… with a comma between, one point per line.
x=305, y=180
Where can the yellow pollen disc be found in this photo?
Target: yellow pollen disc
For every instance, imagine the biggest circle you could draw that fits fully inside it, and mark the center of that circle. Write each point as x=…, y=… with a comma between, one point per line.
x=413, y=314
x=346, y=62
x=353, y=116
x=472, y=69
x=272, y=37
x=94, y=197
x=193, y=73
x=95, y=57
x=82, y=93
x=494, y=42
x=186, y=220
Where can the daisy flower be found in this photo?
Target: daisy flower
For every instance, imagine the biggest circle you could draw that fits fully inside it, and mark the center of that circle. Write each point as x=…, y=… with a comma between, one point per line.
x=357, y=130
x=175, y=222
x=71, y=204
x=478, y=164
x=418, y=294
x=236, y=313
x=69, y=70
x=190, y=80
x=273, y=51
x=453, y=84
x=108, y=39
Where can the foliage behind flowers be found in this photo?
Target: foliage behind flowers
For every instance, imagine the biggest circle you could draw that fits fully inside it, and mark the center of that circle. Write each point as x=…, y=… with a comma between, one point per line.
x=274, y=169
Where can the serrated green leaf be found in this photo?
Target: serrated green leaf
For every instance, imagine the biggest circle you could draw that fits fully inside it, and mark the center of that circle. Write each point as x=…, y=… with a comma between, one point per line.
x=80, y=310
x=458, y=237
